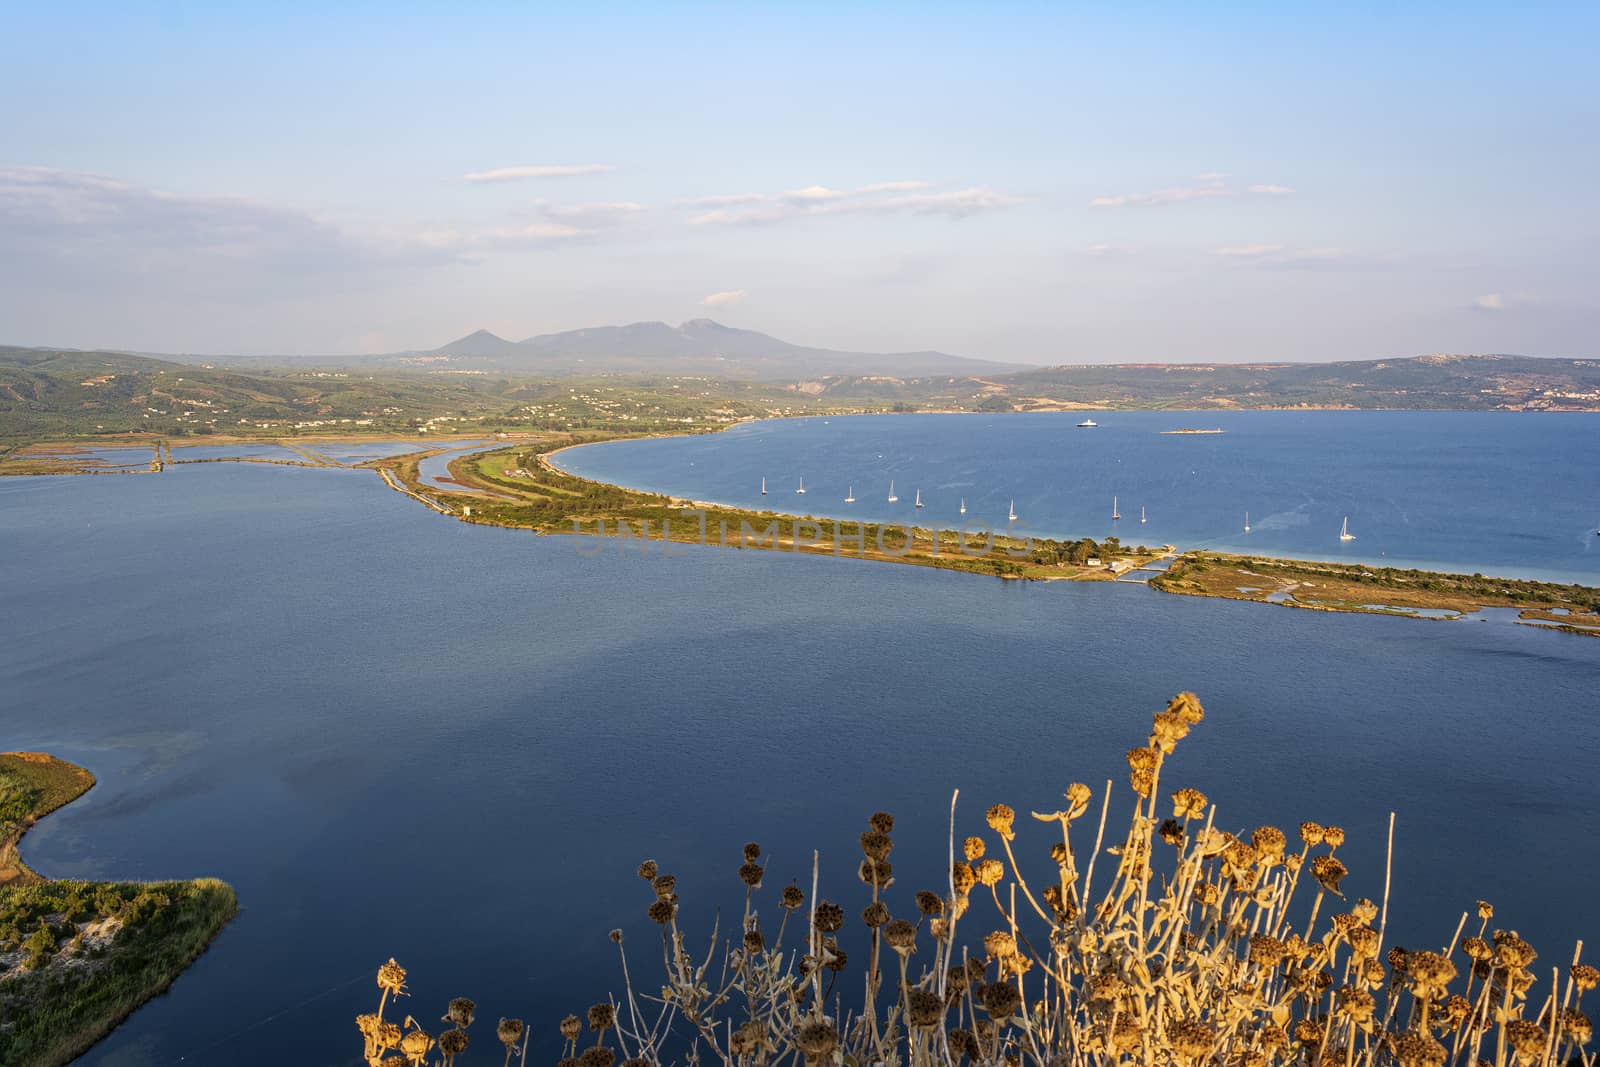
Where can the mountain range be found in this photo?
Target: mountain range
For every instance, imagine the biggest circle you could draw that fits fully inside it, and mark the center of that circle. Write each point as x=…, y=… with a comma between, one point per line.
x=696, y=347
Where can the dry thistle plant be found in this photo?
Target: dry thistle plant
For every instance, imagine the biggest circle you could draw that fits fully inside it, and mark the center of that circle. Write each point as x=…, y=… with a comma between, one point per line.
x=1199, y=964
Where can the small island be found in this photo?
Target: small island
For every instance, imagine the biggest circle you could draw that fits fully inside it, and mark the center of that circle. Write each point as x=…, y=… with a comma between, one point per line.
x=76, y=958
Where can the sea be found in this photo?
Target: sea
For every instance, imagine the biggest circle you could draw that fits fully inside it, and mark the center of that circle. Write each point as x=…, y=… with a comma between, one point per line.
x=397, y=734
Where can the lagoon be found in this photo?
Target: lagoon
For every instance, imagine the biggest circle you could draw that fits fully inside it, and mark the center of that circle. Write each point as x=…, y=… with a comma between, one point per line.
x=398, y=734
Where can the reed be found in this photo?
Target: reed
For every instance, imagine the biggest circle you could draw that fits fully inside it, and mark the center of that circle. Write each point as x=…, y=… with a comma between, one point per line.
x=1186, y=956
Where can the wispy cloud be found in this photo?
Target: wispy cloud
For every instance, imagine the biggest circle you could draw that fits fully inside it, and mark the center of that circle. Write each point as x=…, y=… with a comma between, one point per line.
x=549, y=170
x=1209, y=186
x=74, y=229
x=893, y=187
x=880, y=198
x=536, y=224
x=1278, y=255
x=724, y=299
x=1490, y=302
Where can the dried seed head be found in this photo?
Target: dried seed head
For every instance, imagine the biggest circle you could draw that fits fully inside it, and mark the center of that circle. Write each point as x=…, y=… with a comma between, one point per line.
x=963, y=877
x=1191, y=1040
x=1585, y=977
x=1364, y=942
x=1328, y=872
x=1172, y=832
x=602, y=1016
x=876, y=845
x=1000, y=818
x=793, y=897
x=930, y=903
x=1365, y=910
x=900, y=934
x=875, y=914
x=1266, y=950
x=571, y=1027
x=1416, y=1049
x=1269, y=842
x=962, y=1043
x=662, y=911
x=1430, y=974
x=460, y=1012
x=1142, y=759
x=828, y=916
x=1527, y=1040
x=1077, y=796
x=1515, y=953
x=1332, y=836
x=453, y=1042
x=754, y=942
x=665, y=885
x=1308, y=1032
x=1485, y=910
x=597, y=1056
x=973, y=848
x=1187, y=706
x=752, y=852
x=616, y=937
x=751, y=873
x=876, y=873
x=509, y=1031
x=1453, y=1012
x=1188, y=804
x=416, y=1045
x=1575, y=1025
x=1399, y=959
x=882, y=822
x=1000, y=1000
x=1354, y=1002
x=1000, y=945
x=392, y=977
x=924, y=1009
x=989, y=872
x=1311, y=833
x=647, y=870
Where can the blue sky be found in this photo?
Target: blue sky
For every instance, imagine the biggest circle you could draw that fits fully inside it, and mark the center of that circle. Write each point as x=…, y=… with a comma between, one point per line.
x=1046, y=183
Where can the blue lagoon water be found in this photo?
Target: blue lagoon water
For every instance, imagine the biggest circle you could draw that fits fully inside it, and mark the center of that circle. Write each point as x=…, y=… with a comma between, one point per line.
x=1502, y=493
x=398, y=734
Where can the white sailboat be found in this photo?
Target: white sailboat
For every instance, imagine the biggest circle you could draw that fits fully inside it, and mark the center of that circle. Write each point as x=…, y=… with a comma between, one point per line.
x=963, y=505
x=1087, y=424
x=920, y=504
x=1142, y=519
x=892, y=498
x=763, y=487
x=850, y=498
x=1115, y=514
x=1344, y=531
x=802, y=488
x=1012, y=517
x=1247, y=522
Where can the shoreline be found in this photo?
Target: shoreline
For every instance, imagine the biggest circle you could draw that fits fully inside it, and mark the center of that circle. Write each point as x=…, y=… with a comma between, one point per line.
x=484, y=501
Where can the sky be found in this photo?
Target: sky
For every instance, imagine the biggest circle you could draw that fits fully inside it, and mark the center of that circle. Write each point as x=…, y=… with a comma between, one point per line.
x=1042, y=183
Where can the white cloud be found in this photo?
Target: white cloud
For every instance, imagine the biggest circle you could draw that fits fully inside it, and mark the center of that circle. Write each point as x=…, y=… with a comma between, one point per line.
x=760, y=209
x=1490, y=302
x=557, y=170
x=591, y=215
x=724, y=299
x=1209, y=186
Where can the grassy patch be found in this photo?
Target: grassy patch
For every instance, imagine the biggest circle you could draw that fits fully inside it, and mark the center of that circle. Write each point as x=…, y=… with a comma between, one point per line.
x=76, y=958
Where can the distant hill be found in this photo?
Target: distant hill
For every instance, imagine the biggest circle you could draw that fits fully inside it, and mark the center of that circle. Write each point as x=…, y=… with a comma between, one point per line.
x=697, y=347
x=1458, y=382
